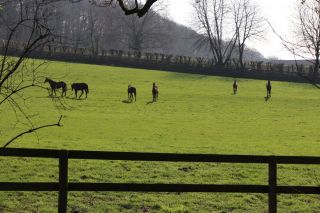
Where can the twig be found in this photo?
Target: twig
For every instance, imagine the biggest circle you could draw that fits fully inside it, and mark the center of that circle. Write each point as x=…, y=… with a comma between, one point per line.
x=33, y=130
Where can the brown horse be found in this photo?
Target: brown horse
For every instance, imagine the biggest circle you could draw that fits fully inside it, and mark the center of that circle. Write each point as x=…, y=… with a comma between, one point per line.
x=56, y=85
x=132, y=92
x=268, y=86
x=235, y=87
x=155, y=92
x=80, y=86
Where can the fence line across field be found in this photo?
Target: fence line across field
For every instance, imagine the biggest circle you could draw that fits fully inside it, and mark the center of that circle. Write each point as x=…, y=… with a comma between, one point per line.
x=63, y=186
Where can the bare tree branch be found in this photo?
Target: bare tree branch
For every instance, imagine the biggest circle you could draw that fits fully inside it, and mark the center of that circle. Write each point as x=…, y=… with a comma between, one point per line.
x=139, y=11
x=27, y=28
x=212, y=17
x=306, y=43
x=128, y=7
x=248, y=25
x=33, y=130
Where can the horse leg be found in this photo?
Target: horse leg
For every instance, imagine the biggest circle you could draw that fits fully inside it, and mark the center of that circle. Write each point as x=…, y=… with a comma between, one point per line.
x=81, y=94
x=76, y=91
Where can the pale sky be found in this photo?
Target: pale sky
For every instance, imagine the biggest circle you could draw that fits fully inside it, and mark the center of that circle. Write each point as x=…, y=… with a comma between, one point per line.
x=278, y=12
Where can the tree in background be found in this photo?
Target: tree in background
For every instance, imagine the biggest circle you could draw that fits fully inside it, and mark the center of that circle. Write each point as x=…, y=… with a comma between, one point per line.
x=248, y=25
x=308, y=33
x=306, y=41
x=226, y=27
x=147, y=33
x=216, y=29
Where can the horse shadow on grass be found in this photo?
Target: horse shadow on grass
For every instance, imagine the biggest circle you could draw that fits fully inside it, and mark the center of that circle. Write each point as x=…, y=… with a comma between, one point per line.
x=74, y=98
x=127, y=101
x=51, y=97
x=150, y=102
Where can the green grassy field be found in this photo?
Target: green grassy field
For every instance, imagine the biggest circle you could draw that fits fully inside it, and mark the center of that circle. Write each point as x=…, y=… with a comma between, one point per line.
x=194, y=114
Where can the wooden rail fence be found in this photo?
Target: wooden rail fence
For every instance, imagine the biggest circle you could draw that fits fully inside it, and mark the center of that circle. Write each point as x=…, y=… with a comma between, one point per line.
x=63, y=186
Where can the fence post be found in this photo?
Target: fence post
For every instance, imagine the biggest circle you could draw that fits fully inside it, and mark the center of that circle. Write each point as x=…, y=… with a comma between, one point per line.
x=272, y=184
x=63, y=181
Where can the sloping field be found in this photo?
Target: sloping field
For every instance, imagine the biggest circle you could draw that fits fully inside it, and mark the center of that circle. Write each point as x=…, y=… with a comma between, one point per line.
x=194, y=114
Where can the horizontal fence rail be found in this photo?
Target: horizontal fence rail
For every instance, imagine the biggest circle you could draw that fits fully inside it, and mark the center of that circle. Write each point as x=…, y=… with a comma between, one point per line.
x=145, y=156
x=63, y=186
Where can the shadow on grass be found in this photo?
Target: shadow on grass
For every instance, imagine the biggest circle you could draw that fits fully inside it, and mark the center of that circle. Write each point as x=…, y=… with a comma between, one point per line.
x=126, y=101
x=52, y=97
x=150, y=102
x=74, y=98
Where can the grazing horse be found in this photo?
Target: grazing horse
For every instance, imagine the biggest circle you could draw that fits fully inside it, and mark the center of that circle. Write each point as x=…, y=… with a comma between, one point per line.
x=235, y=87
x=268, y=86
x=56, y=85
x=155, y=92
x=80, y=86
x=132, y=92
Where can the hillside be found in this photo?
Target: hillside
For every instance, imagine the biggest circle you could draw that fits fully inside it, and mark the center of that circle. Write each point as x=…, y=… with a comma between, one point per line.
x=104, y=28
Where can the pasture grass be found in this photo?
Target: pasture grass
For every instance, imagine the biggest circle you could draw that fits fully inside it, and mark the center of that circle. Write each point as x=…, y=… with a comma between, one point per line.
x=194, y=114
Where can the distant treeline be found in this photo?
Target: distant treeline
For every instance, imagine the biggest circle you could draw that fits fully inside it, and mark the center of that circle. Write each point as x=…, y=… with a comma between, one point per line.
x=82, y=25
x=89, y=34
x=176, y=63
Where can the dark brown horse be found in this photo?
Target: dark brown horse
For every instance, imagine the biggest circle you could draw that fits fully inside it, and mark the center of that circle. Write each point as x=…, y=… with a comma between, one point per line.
x=235, y=87
x=132, y=92
x=155, y=92
x=57, y=85
x=268, y=86
x=80, y=86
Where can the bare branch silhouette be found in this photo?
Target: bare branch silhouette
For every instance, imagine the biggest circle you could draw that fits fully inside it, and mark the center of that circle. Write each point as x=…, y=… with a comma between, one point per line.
x=33, y=130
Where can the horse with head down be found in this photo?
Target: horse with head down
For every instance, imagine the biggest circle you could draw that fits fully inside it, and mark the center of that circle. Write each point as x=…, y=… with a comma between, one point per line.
x=80, y=86
x=132, y=92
